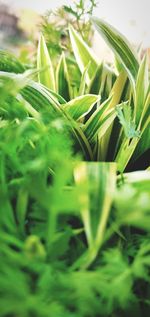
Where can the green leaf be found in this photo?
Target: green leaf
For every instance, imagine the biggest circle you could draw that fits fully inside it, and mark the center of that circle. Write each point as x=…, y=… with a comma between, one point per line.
x=39, y=97
x=13, y=83
x=125, y=152
x=59, y=98
x=97, y=185
x=118, y=89
x=62, y=79
x=83, y=81
x=9, y=63
x=98, y=81
x=120, y=45
x=142, y=85
x=102, y=81
x=80, y=106
x=145, y=113
x=100, y=121
x=84, y=57
x=117, y=92
x=128, y=146
x=44, y=65
x=143, y=144
x=80, y=137
x=83, y=54
x=125, y=116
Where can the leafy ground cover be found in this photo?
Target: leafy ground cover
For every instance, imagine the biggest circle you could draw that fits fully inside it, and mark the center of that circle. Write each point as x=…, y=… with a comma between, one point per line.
x=75, y=215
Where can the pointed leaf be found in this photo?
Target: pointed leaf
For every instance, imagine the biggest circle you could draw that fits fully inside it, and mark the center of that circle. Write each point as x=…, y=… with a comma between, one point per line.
x=83, y=53
x=44, y=64
x=97, y=182
x=120, y=45
x=83, y=81
x=145, y=113
x=102, y=81
x=98, y=81
x=80, y=106
x=62, y=79
x=100, y=121
x=142, y=85
x=59, y=98
x=39, y=97
x=117, y=93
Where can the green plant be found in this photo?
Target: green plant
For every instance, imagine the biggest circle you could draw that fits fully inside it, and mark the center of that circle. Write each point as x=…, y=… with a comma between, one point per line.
x=74, y=234
x=124, y=95
x=81, y=11
x=55, y=23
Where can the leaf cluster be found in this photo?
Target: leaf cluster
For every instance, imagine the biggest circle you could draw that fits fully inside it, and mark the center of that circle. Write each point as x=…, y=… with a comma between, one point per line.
x=74, y=233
